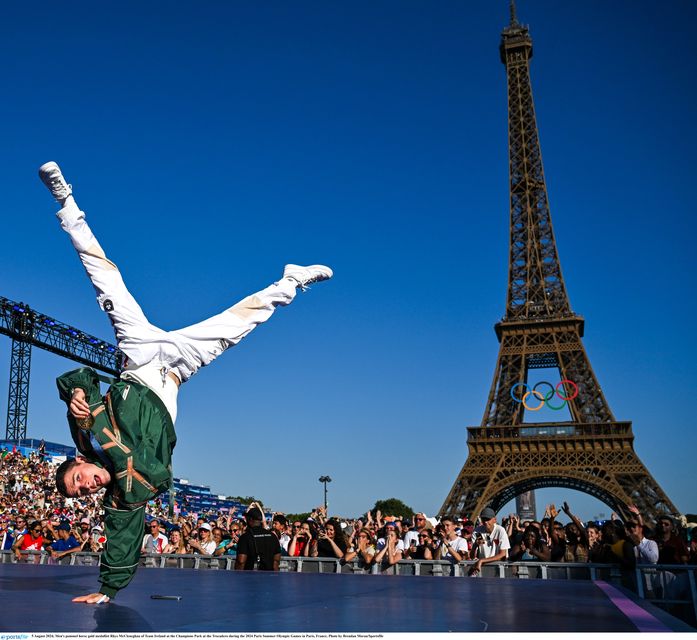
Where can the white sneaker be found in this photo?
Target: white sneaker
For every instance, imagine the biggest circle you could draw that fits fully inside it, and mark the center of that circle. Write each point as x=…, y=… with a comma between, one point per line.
x=307, y=275
x=51, y=176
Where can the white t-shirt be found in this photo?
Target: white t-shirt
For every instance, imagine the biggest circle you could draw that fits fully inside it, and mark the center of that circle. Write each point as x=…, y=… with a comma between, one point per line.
x=208, y=547
x=409, y=536
x=154, y=545
x=398, y=547
x=494, y=542
x=460, y=545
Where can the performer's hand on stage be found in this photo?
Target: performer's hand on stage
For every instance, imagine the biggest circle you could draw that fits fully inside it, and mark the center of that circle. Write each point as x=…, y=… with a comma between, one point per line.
x=93, y=598
x=78, y=405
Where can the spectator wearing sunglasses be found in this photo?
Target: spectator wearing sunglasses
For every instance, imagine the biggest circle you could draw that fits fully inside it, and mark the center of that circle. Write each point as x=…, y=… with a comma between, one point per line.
x=156, y=540
x=31, y=541
x=364, y=550
x=645, y=551
x=205, y=545
x=411, y=537
x=424, y=548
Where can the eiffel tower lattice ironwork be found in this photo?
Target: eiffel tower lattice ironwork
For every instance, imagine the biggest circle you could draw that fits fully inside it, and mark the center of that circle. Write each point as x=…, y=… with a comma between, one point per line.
x=592, y=452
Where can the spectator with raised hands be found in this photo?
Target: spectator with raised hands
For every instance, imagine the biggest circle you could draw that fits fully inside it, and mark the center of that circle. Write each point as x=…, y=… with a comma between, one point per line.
x=390, y=549
x=615, y=546
x=364, y=549
x=577, y=547
x=301, y=542
x=645, y=551
x=205, y=545
x=452, y=547
x=530, y=548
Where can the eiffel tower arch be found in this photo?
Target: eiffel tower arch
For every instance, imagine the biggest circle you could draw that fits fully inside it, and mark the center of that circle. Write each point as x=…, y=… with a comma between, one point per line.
x=592, y=452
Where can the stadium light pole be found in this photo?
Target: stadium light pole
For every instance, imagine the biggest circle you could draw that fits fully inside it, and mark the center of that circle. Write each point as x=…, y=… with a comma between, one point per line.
x=324, y=480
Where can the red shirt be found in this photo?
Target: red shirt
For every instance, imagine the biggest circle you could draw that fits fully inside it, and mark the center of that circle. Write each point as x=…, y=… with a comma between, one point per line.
x=28, y=543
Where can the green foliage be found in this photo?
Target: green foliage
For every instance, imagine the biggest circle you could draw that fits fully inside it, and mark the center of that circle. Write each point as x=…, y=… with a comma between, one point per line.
x=297, y=517
x=392, y=507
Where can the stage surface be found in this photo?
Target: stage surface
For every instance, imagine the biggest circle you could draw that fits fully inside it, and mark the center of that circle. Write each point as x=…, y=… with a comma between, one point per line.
x=37, y=599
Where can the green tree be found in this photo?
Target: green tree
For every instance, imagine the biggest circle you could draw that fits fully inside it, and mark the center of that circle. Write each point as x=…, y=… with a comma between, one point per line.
x=392, y=507
x=297, y=517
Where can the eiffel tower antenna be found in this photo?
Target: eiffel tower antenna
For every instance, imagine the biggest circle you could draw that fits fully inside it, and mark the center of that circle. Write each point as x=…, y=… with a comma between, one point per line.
x=591, y=452
x=514, y=17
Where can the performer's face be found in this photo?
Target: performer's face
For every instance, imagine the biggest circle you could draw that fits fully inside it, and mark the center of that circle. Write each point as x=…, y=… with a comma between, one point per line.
x=85, y=478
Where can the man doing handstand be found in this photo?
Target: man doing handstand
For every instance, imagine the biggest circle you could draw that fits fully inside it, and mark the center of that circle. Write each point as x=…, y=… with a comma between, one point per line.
x=126, y=438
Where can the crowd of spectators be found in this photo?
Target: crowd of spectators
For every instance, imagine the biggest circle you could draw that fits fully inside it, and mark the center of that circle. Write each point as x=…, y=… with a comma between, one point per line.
x=34, y=516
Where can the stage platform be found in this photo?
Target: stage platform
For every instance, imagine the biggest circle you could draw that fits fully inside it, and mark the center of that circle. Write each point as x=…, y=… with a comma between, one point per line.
x=37, y=599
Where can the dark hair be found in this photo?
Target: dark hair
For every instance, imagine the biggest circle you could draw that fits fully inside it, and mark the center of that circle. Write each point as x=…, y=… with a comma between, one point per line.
x=254, y=515
x=280, y=518
x=535, y=532
x=339, y=537
x=61, y=472
x=447, y=518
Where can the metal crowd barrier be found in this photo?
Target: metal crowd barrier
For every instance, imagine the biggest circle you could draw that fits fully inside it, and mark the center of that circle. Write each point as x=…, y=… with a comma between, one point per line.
x=672, y=587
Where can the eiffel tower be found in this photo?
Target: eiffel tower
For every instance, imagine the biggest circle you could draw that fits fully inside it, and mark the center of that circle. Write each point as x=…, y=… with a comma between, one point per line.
x=592, y=452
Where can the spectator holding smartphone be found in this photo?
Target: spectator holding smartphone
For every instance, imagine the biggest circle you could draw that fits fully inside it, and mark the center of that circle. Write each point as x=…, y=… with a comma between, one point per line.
x=331, y=543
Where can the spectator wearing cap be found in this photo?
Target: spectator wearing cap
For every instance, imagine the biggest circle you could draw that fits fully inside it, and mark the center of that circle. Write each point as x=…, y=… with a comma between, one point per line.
x=66, y=543
x=257, y=545
x=97, y=539
x=155, y=541
x=491, y=541
x=671, y=547
x=205, y=545
x=452, y=547
x=85, y=526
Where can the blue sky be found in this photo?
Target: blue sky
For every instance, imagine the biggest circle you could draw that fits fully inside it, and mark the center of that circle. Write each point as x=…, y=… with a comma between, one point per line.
x=211, y=143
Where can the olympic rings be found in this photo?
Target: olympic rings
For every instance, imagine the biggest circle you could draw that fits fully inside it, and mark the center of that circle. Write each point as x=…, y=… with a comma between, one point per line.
x=539, y=397
x=544, y=399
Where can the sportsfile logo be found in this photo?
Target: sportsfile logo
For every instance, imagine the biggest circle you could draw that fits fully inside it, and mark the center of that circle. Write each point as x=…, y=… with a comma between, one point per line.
x=560, y=391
